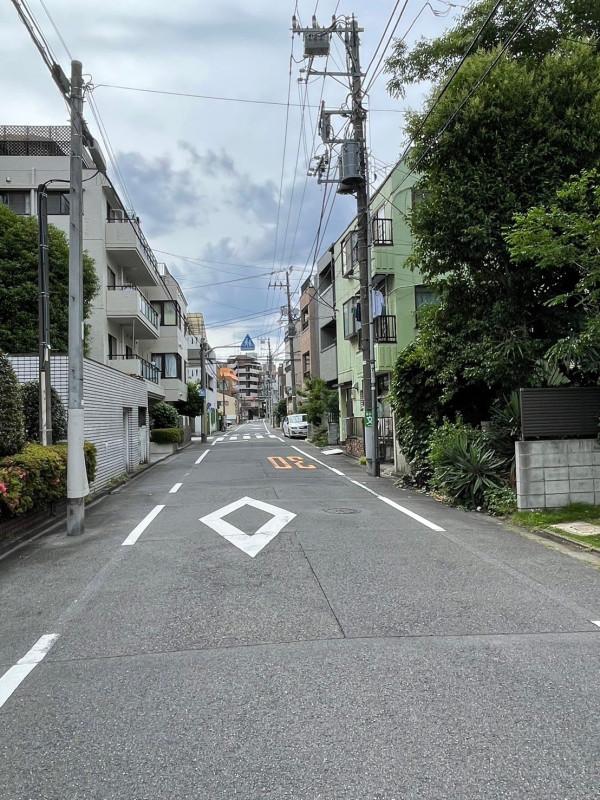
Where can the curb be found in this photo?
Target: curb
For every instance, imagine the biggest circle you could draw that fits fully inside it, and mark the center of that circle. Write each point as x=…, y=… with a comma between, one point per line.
x=544, y=533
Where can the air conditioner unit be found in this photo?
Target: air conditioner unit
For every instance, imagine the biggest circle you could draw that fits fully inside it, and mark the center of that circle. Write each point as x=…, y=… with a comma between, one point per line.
x=117, y=214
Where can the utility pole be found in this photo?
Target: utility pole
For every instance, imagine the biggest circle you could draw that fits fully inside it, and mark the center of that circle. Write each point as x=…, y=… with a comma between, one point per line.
x=77, y=484
x=203, y=386
x=352, y=179
x=44, y=376
x=291, y=333
x=270, y=384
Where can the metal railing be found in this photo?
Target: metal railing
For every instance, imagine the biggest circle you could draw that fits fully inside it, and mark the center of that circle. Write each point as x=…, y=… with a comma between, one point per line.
x=133, y=221
x=145, y=368
x=144, y=306
x=354, y=427
x=382, y=232
x=385, y=438
x=385, y=329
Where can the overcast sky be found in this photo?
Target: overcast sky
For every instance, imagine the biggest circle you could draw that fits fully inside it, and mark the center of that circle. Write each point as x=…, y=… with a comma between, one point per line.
x=204, y=175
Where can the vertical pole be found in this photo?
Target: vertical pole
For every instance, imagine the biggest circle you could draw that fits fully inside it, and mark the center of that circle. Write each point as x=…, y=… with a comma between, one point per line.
x=291, y=334
x=203, y=385
x=77, y=485
x=44, y=377
x=270, y=384
x=362, y=208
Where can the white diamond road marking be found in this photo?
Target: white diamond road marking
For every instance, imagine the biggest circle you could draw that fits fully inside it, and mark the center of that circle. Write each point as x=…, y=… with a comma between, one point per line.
x=251, y=545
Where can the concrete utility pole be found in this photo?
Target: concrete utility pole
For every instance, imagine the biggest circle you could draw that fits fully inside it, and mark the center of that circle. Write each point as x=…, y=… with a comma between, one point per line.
x=352, y=178
x=77, y=484
x=270, y=384
x=44, y=376
x=362, y=212
x=203, y=386
x=291, y=333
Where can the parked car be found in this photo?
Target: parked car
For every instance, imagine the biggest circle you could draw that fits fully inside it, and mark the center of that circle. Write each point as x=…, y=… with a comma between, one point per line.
x=295, y=425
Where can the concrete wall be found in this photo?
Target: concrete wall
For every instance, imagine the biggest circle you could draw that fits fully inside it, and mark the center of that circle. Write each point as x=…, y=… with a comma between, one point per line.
x=557, y=472
x=113, y=402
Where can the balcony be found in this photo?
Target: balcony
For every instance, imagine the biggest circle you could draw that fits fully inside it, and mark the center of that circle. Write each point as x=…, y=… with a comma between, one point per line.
x=382, y=232
x=385, y=329
x=138, y=367
x=126, y=242
x=127, y=304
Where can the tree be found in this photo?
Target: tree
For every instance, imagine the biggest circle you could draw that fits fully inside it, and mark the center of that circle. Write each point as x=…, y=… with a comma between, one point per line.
x=194, y=405
x=31, y=398
x=318, y=400
x=528, y=127
x=19, y=284
x=12, y=433
x=565, y=237
x=162, y=415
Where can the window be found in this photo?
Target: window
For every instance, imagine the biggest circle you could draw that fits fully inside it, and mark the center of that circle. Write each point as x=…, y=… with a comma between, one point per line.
x=328, y=335
x=128, y=351
x=351, y=324
x=169, y=364
x=417, y=196
x=112, y=346
x=17, y=200
x=306, y=364
x=349, y=253
x=382, y=227
x=304, y=315
x=168, y=311
x=111, y=278
x=424, y=296
x=58, y=203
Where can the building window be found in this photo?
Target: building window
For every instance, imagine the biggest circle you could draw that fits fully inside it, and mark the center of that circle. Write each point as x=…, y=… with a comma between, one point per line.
x=58, y=203
x=417, y=196
x=349, y=253
x=111, y=278
x=304, y=314
x=424, y=296
x=168, y=311
x=18, y=201
x=351, y=323
x=128, y=351
x=306, y=365
x=112, y=346
x=382, y=228
x=169, y=364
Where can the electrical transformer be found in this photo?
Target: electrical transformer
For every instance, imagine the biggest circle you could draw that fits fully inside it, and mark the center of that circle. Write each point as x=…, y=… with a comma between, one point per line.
x=316, y=43
x=350, y=173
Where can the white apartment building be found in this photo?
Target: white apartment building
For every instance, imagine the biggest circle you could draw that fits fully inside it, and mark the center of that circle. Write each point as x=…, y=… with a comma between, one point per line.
x=138, y=318
x=249, y=374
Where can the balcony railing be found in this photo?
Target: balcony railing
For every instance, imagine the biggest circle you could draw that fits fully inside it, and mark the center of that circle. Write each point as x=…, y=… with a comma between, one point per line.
x=382, y=232
x=124, y=218
x=385, y=329
x=145, y=368
x=144, y=306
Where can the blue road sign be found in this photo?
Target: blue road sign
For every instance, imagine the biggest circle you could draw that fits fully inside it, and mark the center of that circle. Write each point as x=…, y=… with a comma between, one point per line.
x=247, y=344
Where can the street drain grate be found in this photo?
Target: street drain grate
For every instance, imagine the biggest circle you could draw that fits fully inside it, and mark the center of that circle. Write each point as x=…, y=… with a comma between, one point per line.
x=342, y=511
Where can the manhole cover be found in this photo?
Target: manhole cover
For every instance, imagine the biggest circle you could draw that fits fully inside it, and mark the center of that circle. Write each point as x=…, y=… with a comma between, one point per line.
x=342, y=511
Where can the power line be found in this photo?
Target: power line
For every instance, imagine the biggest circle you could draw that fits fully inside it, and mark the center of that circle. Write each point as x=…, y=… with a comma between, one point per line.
x=56, y=30
x=381, y=38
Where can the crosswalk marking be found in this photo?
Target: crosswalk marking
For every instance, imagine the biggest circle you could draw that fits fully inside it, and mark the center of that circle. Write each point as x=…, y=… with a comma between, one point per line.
x=245, y=438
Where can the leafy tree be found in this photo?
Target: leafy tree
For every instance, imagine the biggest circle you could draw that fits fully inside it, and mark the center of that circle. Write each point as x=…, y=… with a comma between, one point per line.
x=19, y=284
x=318, y=400
x=163, y=415
x=564, y=237
x=31, y=399
x=281, y=410
x=12, y=433
x=194, y=405
x=529, y=126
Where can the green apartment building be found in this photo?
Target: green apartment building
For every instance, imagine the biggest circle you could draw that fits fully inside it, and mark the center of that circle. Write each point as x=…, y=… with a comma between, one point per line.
x=403, y=292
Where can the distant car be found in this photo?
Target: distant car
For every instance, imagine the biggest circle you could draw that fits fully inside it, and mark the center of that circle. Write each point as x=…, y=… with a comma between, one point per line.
x=295, y=425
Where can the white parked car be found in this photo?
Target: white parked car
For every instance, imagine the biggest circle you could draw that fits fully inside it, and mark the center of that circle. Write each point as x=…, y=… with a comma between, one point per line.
x=295, y=425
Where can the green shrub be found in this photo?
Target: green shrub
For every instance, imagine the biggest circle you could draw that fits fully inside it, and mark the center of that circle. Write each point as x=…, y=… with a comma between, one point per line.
x=464, y=463
x=500, y=501
x=320, y=438
x=31, y=399
x=37, y=476
x=162, y=415
x=12, y=431
x=413, y=439
x=166, y=435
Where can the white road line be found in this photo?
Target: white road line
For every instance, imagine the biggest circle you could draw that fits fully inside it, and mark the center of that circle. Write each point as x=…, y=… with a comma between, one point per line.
x=201, y=457
x=233, y=438
x=412, y=514
x=265, y=424
x=139, y=529
x=322, y=463
x=246, y=436
x=272, y=436
x=217, y=440
x=595, y=622
x=175, y=488
x=362, y=486
x=259, y=436
x=14, y=676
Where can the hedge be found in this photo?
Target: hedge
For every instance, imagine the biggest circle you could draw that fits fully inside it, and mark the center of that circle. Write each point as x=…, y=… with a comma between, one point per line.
x=166, y=435
x=37, y=477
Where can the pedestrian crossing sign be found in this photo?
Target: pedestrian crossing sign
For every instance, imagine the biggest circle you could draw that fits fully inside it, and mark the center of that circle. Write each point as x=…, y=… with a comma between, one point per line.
x=247, y=344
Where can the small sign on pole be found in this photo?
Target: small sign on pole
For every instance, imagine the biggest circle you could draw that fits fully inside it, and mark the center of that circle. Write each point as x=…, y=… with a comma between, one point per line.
x=247, y=344
x=369, y=418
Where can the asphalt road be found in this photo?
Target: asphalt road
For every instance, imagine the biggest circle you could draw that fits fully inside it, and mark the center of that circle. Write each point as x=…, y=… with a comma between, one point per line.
x=340, y=646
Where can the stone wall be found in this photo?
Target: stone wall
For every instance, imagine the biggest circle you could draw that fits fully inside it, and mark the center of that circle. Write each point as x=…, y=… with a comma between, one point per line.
x=557, y=472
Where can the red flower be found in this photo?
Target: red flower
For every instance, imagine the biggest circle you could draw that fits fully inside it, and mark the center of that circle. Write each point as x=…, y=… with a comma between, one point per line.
x=3, y=488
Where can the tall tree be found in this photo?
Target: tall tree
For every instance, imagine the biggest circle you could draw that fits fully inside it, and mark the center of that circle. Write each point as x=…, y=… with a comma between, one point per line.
x=19, y=284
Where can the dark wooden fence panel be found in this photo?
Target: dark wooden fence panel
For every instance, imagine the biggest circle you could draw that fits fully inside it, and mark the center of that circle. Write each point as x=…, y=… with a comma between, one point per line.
x=560, y=413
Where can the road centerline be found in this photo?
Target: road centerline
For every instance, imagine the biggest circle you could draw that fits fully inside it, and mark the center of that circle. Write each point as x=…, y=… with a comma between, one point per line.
x=141, y=527
x=175, y=488
x=201, y=458
x=14, y=676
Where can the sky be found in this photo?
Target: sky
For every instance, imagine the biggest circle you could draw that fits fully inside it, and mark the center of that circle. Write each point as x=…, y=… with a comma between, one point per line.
x=205, y=175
